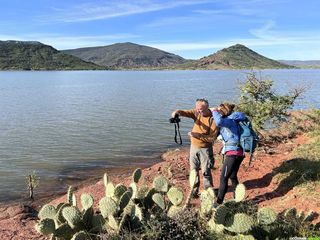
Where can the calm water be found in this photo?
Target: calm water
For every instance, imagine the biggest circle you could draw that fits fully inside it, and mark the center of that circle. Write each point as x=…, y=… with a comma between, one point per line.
x=63, y=124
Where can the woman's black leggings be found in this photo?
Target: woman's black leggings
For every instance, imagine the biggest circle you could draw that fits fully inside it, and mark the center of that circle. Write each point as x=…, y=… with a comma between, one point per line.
x=229, y=170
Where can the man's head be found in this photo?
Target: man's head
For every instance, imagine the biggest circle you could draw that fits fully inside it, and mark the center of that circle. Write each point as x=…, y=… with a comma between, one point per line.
x=202, y=106
x=226, y=108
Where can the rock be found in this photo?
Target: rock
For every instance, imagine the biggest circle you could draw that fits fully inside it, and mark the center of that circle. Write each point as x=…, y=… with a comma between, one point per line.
x=15, y=210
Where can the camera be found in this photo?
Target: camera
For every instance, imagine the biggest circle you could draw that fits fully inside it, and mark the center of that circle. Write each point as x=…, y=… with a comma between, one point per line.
x=176, y=119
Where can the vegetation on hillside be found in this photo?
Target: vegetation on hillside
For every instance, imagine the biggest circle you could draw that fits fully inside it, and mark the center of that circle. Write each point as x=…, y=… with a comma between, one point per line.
x=127, y=56
x=238, y=57
x=18, y=55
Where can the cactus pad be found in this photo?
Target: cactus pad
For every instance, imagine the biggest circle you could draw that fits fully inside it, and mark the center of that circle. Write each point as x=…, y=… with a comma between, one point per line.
x=110, y=189
x=137, y=175
x=86, y=201
x=105, y=179
x=107, y=207
x=214, y=227
x=113, y=223
x=119, y=190
x=47, y=211
x=158, y=199
x=161, y=184
x=266, y=216
x=73, y=216
x=82, y=235
x=98, y=223
x=124, y=200
x=175, y=196
x=45, y=226
x=221, y=215
x=240, y=192
x=240, y=223
x=64, y=231
x=173, y=211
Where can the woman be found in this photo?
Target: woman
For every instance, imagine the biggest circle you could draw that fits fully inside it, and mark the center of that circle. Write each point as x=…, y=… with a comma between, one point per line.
x=226, y=120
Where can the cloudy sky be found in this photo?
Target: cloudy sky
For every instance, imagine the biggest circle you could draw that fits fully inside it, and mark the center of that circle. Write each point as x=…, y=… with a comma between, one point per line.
x=278, y=29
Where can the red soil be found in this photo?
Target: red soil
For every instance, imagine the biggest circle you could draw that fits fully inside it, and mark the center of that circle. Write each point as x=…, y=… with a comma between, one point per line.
x=16, y=222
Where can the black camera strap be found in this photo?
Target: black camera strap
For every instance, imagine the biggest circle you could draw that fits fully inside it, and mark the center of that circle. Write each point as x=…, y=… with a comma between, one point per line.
x=176, y=132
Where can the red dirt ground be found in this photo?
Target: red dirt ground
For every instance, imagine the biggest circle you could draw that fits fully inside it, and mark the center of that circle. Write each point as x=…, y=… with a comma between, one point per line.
x=17, y=222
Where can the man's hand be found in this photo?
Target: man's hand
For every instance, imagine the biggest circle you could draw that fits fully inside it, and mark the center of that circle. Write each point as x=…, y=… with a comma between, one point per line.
x=174, y=114
x=214, y=109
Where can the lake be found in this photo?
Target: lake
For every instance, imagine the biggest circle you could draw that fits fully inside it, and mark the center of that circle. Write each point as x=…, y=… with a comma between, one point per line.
x=67, y=125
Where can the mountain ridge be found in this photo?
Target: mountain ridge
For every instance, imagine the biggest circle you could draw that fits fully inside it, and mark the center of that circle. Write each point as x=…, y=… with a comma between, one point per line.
x=127, y=55
x=33, y=55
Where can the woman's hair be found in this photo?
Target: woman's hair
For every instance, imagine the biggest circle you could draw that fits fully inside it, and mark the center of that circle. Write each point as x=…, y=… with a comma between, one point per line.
x=226, y=108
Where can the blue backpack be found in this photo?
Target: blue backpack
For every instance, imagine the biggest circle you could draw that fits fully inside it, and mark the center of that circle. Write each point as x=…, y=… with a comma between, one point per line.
x=248, y=138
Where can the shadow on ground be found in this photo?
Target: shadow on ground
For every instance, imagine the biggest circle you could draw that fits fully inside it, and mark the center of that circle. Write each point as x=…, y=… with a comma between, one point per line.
x=296, y=171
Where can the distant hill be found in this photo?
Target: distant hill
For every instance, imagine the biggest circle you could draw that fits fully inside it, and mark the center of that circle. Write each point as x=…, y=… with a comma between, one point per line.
x=21, y=55
x=237, y=57
x=127, y=56
x=302, y=64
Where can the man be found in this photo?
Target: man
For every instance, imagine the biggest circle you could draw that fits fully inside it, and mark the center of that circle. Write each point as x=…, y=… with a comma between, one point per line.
x=203, y=133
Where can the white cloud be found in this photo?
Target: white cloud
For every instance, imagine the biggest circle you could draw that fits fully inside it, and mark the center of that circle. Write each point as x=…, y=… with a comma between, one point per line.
x=111, y=9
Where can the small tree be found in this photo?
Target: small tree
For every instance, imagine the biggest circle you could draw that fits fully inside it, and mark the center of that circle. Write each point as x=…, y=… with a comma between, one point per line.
x=32, y=181
x=261, y=103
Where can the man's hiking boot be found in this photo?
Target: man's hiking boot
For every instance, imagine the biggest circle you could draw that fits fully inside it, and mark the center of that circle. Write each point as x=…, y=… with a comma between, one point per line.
x=195, y=194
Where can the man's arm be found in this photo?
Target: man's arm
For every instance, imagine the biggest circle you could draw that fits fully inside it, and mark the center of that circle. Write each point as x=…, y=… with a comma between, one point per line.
x=184, y=113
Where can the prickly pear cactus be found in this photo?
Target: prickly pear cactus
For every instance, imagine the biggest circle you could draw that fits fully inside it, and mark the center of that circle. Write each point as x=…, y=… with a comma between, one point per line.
x=82, y=235
x=310, y=216
x=113, y=223
x=174, y=211
x=136, y=175
x=134, y=189
x=161, y=184
x=214, y=227
x=290, y=213
x=221, y=215
x=47, y=211
x=70, y=195
x=110, y=189
x=105, y=179
x=239, y=223
x=98, y=223
x=64, y=231
x=108, y=207
x=244, y=237
x=73, y=216
x=86, y=201
x=124, y=200
x=240, y=192
x=45, y=226
x=175, y=196
x=159, y=200
x=207, y=198
x=266, y=216
x=119, y=190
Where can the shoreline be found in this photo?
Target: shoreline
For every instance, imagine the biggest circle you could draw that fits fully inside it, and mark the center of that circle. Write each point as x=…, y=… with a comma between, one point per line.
x=43, y=196
x=263, y=184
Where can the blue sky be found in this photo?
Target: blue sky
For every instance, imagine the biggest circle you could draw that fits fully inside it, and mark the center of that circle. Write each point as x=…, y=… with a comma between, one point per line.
x=278, y=29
